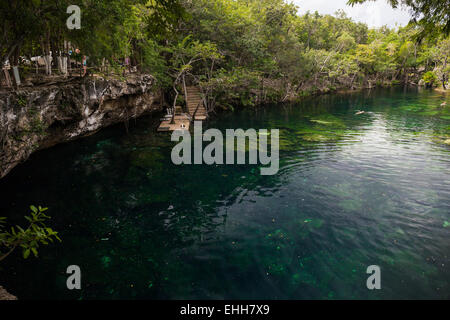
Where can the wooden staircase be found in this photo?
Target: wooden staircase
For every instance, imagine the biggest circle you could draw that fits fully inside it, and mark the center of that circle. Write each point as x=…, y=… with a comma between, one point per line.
x=195, y=105
x=181, y=121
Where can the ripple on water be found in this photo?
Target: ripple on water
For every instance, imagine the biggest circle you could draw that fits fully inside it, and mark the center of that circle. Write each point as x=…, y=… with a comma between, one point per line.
x=351, y=191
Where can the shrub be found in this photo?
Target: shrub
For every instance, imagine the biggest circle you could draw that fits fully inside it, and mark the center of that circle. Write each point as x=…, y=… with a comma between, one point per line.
x=430, y=79
x=28, y=239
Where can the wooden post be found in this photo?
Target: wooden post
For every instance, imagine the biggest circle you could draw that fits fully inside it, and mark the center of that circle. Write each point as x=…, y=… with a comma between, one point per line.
x=7, y=77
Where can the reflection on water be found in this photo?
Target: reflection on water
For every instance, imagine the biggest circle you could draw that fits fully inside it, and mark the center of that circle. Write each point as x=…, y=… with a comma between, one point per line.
x=352, y=191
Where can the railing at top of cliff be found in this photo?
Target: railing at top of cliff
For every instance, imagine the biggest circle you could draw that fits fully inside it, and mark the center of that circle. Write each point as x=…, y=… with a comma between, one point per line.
x=42, y=75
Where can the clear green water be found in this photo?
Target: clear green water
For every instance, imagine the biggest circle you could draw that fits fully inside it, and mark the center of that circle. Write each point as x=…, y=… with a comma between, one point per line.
x=352, y=191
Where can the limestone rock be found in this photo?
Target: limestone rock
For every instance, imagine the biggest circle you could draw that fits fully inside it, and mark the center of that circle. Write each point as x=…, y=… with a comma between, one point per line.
x=4, y=295
x=42, y=116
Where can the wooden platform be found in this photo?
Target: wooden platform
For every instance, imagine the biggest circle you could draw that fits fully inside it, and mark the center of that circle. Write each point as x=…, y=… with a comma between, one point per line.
x=195, y=105
x=196, y=111
x=180, y=120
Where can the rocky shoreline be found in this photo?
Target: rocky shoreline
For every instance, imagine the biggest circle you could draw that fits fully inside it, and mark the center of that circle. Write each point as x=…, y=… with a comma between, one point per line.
x=34, y=118
x=5, y=295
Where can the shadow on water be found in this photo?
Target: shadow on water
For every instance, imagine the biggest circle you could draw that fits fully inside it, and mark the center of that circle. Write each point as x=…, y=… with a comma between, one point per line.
x=352, y=191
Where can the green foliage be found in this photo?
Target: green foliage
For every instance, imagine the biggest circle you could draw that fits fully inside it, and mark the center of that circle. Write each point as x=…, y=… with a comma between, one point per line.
x=108, y=28
x=432, y=16
x=267, y=42
x=430, y=78
x=241, y=51
x=37, y=233
x=235, y=87
x=154, y=62
x=22, y=101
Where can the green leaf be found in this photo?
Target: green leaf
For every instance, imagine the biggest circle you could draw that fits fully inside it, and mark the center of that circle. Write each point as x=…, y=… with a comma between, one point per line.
x=26, y=253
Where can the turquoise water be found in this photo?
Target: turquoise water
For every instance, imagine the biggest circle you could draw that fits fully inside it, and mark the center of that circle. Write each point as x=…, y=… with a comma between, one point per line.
x=352, y=191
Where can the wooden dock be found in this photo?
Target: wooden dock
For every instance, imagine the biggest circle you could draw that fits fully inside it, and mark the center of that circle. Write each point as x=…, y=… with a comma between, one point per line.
x=181, y=122
x=196, y=111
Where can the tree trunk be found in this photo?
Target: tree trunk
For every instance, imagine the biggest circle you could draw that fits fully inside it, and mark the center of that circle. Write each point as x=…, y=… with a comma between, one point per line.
x=48, y=65
x=16, y=75
x=7, y=78
x=60, y=64
x=64, y=59
x=444, y=78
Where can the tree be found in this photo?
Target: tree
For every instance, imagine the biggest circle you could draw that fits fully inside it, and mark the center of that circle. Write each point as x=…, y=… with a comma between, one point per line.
x=430, y=79
x=108, y=28
x=441, y=56
x=433, y=16
x=185, y=55
x=29, y=239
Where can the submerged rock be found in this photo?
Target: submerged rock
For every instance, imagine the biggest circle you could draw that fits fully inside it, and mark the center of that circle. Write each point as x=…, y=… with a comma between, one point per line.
x=5, y=295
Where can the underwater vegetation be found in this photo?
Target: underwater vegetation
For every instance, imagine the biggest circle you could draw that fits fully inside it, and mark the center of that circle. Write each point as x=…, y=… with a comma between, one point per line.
x=352, y=191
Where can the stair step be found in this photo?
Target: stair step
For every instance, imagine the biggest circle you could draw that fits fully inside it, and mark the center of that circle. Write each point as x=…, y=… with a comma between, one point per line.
x=195, y=103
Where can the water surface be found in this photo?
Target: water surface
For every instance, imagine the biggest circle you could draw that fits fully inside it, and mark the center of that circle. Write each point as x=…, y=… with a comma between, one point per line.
x=352, y=191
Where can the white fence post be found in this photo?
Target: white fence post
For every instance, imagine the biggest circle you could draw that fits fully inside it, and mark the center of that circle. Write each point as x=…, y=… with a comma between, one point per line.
x=16, y=75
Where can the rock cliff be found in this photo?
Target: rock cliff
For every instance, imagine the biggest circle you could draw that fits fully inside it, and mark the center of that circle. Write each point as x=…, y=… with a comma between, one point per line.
x=34, y=118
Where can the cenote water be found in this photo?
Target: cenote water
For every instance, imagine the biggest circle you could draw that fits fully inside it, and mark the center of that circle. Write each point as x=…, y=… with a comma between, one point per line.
x=352, y=191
